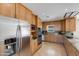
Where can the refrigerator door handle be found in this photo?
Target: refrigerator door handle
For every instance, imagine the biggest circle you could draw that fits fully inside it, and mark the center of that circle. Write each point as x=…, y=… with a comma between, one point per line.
x=18, y=39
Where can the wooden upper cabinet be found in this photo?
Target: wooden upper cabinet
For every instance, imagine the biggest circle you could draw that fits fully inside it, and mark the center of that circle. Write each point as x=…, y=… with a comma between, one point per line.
x=28, y=15
x=39, y=22
x=62, y=25
x=70, y=24
x=34, y=19
x=73, y=24
x=7, y=9
x=20, y=12
x=23, y=13
x=67, y=25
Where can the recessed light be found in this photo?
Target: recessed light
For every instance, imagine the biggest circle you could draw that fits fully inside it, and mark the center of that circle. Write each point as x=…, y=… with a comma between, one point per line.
x=65, y=9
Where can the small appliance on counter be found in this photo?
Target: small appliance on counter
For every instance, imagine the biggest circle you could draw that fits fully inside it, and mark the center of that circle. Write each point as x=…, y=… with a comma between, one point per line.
x=69, y=35
x=61, y=32
x=39, y=36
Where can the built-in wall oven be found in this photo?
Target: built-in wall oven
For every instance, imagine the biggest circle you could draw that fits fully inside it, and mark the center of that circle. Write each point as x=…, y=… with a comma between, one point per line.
x=39, y=31
x=10, y=46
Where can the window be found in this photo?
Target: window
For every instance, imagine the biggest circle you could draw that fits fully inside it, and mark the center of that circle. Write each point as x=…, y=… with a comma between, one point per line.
x=51, y=28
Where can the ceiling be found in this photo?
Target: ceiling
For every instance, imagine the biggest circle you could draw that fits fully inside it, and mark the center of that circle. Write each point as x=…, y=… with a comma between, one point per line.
x=51, y=11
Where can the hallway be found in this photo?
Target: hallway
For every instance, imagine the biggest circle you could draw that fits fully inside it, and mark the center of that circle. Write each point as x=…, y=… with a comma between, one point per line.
x=51, y=49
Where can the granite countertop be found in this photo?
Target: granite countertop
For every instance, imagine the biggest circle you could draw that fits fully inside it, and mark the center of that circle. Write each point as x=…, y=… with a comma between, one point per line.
x=74, y=42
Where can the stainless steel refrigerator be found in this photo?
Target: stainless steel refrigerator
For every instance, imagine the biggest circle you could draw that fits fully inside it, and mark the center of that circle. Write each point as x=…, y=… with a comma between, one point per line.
x=14, y=37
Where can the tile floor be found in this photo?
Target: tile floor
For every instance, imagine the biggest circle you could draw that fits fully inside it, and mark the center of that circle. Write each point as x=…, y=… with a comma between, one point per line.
x=51, y=49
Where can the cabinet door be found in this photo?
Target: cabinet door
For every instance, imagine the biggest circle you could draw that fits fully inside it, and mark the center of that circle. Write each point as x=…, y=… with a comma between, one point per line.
x=67, y=25
x=33, y=19
x=70, y=24
x=7, y=9
x=63, y=25
x=33, y=46
x=20, y=12
x=71, y=51
x=73, y=24
x=28, y=16
x=59, y=39
x=54, y=38
x=39, y=23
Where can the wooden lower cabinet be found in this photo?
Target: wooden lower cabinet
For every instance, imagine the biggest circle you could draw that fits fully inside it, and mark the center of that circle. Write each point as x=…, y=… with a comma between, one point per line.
x=33, y=46
x=71, y=51
x=49, y=37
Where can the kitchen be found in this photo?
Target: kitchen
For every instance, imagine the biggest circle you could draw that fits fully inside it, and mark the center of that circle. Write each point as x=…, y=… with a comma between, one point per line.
x=27, y=30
